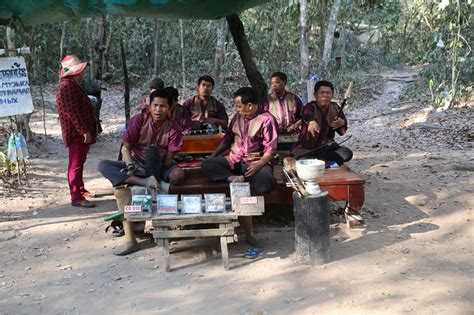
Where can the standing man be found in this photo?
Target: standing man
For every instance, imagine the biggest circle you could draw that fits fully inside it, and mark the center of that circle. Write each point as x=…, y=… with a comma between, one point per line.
x=252, y=137
x=321, y=122
x=78, y=126
x=149, y=145
x=204, y=107
x=285, y=106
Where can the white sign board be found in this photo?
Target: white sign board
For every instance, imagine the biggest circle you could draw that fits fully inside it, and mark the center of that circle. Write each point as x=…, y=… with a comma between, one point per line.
x=15, y=93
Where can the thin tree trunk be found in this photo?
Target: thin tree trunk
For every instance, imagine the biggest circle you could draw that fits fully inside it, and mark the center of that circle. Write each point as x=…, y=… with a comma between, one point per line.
x=61, y=42
x=183, y=65
x=329, y=37
x=304, y=49
x=454, y=70
x=221, y=31
x=100, y=46
x=156, y=47
x=105, y=57
x=90, y=48
x=273, y=40
x=126, y=85
x=240, y=39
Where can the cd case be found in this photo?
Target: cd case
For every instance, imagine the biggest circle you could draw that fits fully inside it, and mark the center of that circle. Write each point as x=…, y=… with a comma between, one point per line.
x=215, y=203
x=191, y=204
x=238, y=190
x=167, y=204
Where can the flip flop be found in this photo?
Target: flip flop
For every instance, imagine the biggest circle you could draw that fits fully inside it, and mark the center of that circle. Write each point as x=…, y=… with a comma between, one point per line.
x=252, y=253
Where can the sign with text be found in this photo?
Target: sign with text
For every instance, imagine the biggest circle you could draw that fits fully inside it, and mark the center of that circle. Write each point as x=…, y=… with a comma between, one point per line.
x=15, y=93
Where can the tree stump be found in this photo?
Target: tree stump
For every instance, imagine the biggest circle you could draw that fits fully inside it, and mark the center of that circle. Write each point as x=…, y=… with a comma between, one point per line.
x=311, y=228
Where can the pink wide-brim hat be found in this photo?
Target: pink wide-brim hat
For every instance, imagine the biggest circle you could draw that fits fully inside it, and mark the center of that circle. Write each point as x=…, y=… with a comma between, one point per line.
x=71, y=65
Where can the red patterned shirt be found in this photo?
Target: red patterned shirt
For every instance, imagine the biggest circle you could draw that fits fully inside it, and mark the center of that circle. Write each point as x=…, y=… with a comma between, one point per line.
x=75, y=111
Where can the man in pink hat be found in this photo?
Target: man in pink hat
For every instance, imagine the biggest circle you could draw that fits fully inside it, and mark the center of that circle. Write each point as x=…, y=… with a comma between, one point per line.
x=77, y=124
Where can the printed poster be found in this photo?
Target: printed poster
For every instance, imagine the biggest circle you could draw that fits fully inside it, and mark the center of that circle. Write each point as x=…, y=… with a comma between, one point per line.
x=15, y=93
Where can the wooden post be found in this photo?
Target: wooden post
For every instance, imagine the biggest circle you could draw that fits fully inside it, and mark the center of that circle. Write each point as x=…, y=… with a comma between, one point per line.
x=311, y=228
x=224, y=249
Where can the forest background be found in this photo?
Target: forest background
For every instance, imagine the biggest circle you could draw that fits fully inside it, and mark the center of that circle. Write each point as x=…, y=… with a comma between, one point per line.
x=290, y=36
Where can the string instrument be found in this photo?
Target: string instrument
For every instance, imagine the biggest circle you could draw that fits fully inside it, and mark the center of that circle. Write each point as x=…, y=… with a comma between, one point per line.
x=347, y=95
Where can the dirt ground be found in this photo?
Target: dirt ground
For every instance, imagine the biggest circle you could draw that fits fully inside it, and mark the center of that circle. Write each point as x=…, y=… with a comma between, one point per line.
x=414, y=256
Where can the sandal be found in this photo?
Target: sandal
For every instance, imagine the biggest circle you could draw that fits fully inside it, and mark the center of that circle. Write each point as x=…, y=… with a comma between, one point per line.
x=253, y=252
x=117, y=227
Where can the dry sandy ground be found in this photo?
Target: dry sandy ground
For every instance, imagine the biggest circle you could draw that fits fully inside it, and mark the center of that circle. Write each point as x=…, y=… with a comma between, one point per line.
x=415, y=255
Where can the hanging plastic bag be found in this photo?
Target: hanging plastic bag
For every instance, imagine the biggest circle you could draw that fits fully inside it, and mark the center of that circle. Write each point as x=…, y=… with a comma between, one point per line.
x=17, y=147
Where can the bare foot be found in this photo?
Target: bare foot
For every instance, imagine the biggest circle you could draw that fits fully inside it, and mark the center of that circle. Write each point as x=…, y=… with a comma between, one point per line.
x=127, y=248
x=252, y=240
x=236, y=179
x=151, y=182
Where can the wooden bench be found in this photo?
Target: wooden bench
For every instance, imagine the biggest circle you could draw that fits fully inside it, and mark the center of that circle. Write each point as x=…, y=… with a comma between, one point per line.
x=342, y=184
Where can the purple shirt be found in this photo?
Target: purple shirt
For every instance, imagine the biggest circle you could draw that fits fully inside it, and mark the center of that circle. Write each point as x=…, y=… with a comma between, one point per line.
x=250, y=137
x=182, y=117
x=141, y=132
x=200, y=110
x=311, y=110
x=286, y=109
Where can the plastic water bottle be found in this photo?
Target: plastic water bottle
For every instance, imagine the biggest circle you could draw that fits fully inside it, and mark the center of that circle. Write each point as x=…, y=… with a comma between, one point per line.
x=21, y=143
x=11, y=150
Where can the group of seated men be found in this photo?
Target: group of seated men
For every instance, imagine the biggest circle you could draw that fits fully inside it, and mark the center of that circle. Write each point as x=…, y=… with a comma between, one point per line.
x=154, y=136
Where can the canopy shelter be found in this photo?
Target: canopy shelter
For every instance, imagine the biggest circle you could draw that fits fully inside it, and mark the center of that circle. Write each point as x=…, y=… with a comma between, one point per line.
x=31, y=12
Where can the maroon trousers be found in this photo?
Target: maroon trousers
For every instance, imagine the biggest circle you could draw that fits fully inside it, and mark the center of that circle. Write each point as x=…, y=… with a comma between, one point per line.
x=77, y=157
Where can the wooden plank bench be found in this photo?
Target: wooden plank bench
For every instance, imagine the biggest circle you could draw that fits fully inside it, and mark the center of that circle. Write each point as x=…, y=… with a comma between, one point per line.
x=164, y=225
x=342, y=184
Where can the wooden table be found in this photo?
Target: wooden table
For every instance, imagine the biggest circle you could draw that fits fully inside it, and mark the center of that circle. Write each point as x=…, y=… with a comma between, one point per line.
x=163, y=225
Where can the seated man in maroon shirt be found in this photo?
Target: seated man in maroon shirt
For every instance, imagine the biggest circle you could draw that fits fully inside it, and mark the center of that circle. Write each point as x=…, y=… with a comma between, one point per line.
x=252, y=137
x=204, y=107
x=178, y=113
x=321, y=122
x=149, y=137
x=284, y=106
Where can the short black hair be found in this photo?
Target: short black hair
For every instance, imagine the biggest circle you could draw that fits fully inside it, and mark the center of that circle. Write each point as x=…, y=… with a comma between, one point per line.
x=157, y=84
x=319, y=84
x=206, y=78
x=163, y=94
x=337, y=34
x=172, y=92
x=247, y=95
x=280, y=75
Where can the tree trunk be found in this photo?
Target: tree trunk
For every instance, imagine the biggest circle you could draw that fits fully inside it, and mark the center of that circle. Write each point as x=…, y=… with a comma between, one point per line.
x=126, y=93
x=61, y=42
x=183, y=65
x=100, y=46
x=304, y=49
x=156, y=48
x=105, y=56
x=90, y=48
x=220, y=54
x=329, y=37
x=240, y=39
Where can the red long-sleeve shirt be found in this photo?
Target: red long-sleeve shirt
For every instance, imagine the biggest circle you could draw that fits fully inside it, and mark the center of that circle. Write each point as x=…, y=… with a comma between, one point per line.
x=75, y=111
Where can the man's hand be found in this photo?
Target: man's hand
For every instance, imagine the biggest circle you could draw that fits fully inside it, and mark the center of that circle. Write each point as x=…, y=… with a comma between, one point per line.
x=87, y=138
x=313, y=128
x=337, y=123
x=131, y=170
x=253, y=168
